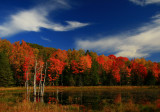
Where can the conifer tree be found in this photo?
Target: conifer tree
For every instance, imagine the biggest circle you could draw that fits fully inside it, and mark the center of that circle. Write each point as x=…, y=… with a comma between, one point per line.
x=6, y=75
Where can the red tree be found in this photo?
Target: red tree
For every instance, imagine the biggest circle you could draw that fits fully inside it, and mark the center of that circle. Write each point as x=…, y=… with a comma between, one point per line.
x=155, y=70
x=139, y=69
x=110, y=66
x=55, y=69
x=116, y=72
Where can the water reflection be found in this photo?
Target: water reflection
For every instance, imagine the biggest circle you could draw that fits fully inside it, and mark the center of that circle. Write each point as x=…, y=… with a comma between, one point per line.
x=97, y=99
x=158, y=103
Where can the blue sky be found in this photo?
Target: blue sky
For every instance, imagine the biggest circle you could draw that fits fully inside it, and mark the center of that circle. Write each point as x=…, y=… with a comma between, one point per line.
x=129, y=28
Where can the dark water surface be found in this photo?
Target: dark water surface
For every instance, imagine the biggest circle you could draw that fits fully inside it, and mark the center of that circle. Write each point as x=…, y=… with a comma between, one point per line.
x=95, y=99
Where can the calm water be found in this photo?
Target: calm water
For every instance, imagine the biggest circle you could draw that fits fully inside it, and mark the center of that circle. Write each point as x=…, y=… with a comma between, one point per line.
x=95, y=99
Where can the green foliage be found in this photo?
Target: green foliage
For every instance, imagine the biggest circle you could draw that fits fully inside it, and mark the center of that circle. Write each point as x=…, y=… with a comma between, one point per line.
x=150, y=79
x=35, y=46
x=6, y=75
x=94, y=77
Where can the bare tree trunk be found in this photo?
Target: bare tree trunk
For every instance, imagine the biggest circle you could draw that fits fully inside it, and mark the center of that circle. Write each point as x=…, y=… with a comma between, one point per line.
x=40, y=83
x=80, y=80
x=61, y=80
x=35, y=70
x=38, y=91
x=44, y=80
x=39, y=88
x=42, y=99
x=27, y=81
x=29, y=92
x=34, y=98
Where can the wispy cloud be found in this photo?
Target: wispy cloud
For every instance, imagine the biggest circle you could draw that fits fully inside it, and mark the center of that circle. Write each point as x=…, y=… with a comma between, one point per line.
x=36, y=18
x=145, y=2
x=145, y=41
x=71, y=25
x=46, y=39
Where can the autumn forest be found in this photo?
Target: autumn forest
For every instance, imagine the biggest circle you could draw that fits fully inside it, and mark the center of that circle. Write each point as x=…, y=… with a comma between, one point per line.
x=27, y=64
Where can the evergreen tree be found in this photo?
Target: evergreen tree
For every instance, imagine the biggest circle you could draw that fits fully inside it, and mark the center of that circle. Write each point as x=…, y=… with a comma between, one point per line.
x=94, y=76
x=150, y=79
x=6, y=75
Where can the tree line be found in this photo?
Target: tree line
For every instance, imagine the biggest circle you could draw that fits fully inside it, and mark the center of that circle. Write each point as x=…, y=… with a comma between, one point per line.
x=27, y=64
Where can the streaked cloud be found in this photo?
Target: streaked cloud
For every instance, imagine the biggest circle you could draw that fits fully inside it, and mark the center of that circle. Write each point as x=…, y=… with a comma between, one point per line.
x=46, y=39
x=36, y=18
x=145, y=41
x=145, y=2
x=71, y=25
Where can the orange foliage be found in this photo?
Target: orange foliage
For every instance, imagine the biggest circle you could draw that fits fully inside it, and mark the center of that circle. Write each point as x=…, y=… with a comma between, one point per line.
x=84, y=63
x=62, y=55
x=6, y=46
x=20, y=53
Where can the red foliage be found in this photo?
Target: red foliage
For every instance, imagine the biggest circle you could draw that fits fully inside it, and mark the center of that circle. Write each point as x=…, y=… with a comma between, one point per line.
x=139, y=69
x=26, y=68
x=113, y=57
x=102, y=59
x=124, y=59
x=52, y=100
x=40, y=65
x=156, y=71
x=118, y=98
x=120, y=61
x=158, y=103
x=115, y=72
x=105, y=62
x=75, y=67
x=110, y=65
x=55, y=69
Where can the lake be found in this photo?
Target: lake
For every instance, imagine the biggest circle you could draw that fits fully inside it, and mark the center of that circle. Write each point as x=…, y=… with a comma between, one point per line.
x=103, y=99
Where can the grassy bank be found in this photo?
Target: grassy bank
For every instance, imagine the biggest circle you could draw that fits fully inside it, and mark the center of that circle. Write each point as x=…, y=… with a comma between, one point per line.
x=75, y=88
x=112, y=103
x=26, y=106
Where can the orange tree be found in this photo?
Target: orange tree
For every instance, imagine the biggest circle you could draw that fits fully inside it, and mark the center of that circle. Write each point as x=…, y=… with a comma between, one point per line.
x=22, y=60
x=79, y=67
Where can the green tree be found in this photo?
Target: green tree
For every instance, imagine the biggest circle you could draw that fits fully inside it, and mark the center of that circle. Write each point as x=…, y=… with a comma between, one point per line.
x=94, y=73
x=6, y=75
x=150, y=79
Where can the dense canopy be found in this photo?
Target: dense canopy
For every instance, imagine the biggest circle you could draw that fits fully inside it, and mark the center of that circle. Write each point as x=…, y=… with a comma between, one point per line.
x=20, y=61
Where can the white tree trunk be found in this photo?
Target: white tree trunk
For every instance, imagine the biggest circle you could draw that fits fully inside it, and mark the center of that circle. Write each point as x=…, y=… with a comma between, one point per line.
x=44, y=80
x=40, y=83
x=35, y=70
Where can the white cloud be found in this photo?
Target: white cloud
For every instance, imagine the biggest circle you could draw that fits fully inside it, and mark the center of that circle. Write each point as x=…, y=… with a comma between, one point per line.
x=130, y=45
x=71, y=26
x=145, y=2
x=36, y=18
x=46, y=39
